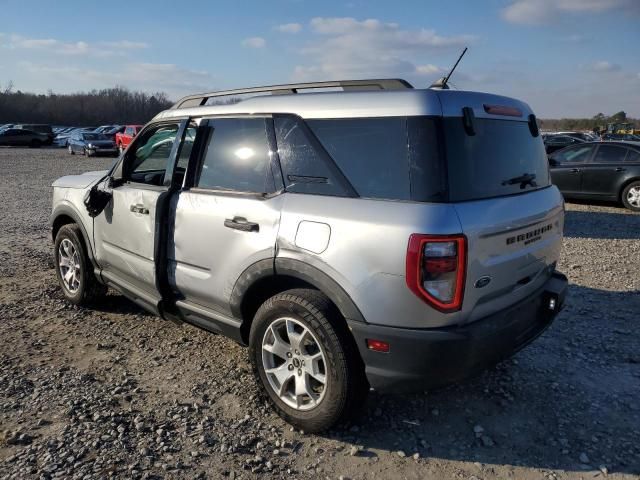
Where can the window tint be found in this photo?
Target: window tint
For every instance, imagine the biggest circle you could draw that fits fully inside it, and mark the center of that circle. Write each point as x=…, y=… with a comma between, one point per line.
x=486, y=164
x=371, y=152
x=633, y=156
x=303, y=163
x=426, y=162
x=237, y=156
x=610, y=154
x=578, y=154
x=147, y=160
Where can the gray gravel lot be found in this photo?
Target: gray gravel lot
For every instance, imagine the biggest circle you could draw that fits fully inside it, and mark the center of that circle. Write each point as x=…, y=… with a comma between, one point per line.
x=117, y=392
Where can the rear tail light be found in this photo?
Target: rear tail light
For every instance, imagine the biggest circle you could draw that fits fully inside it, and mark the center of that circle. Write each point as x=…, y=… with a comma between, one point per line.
x=436, y=268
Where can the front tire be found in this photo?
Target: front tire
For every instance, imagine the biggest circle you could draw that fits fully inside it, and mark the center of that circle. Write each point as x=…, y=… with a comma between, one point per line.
x=306, y=360
x=631, y=196
x=74, y=269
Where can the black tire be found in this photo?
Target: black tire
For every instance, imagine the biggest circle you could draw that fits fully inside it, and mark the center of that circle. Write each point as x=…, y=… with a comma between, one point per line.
x=626, y=196
x=89, y=289
x=346, y=387
x=35, y=143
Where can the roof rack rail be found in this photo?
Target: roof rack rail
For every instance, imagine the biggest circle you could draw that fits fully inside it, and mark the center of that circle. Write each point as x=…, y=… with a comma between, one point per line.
x=375, y=84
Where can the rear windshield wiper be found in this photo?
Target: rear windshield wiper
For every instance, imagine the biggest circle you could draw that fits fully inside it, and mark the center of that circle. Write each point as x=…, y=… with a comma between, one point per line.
x=524, y=180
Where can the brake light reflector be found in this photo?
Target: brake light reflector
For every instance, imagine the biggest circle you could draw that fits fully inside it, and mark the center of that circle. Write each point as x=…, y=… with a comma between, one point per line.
x=436, y=268
x=503, y=110
x=378, y=346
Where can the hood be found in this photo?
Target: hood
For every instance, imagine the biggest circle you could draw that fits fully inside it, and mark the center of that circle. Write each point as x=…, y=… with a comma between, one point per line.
x=79, y=181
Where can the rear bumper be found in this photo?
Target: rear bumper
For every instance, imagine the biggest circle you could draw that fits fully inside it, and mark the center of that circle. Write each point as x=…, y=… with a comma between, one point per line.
x=420, y=359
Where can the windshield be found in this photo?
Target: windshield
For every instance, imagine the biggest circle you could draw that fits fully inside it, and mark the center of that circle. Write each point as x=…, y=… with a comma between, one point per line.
x=502, y=158
x=94, y=136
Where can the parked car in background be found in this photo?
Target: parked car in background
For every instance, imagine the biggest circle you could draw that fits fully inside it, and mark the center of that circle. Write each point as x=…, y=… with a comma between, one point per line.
x=104, y=128
x=599, y=171
x=113, y=131
x=62, y=139
x=616, y=137
x=5, y=126
x=556, y=142
x=20, y=137
x=40, y=128
x=89, y=144
x=123, y=139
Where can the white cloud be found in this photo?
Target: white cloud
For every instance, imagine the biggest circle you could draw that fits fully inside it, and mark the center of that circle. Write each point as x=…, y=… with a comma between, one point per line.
x=289, y=28
x=51, y=45
x=350, y=48
x=604, y=66
x=535, y=12
x=254, y=42
x=176, y=81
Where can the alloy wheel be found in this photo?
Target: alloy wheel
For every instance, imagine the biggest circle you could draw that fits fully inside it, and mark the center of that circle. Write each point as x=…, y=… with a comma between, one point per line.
x=633, y=196
x=69, y=265
x=294, y=363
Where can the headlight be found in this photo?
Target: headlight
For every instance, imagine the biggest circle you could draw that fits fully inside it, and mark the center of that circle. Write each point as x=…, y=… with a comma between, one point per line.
x=90, y=145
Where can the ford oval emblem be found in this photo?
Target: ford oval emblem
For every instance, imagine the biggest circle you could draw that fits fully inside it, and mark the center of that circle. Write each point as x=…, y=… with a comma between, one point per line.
x=482, y=282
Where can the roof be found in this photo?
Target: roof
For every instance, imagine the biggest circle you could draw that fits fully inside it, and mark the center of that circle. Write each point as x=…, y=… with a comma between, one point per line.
x=350, y=103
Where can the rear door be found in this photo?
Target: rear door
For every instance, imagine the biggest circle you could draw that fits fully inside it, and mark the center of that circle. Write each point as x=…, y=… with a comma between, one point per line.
x=226, y=218
x=567, y=167
x=600, y=177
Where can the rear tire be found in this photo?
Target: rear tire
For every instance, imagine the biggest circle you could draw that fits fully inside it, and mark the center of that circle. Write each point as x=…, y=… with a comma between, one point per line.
x=309, y=394
x=74, y=269
x=631, y=196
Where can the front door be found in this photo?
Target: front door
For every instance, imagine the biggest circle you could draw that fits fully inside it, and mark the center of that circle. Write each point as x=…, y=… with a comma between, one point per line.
x=227, y=219
x=126, y=231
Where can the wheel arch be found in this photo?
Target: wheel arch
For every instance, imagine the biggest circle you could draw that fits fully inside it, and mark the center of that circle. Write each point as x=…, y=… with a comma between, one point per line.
x=65, y=215
x=625, y=184
x=269, y=277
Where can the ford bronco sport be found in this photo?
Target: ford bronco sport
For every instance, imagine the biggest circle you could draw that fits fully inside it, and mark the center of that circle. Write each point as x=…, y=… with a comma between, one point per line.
x=378, y=236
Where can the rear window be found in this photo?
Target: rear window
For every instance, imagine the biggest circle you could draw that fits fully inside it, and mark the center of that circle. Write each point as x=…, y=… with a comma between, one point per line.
x=489, y=163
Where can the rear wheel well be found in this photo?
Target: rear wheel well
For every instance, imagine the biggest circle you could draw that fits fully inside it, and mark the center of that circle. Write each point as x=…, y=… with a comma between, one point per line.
x=262, y=290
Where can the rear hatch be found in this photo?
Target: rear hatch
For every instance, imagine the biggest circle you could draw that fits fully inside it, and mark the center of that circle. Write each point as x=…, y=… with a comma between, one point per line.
x=511, y=215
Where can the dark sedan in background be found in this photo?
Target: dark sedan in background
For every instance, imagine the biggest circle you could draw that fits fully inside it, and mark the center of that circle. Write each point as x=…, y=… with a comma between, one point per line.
x=599, y=171
x=19, y=137
x=89, y=144
x=556, y=142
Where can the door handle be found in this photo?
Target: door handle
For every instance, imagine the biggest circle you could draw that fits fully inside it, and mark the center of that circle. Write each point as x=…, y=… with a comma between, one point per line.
x=139, y=209
x=620, y=169
x=239, y=223
x=574, y=170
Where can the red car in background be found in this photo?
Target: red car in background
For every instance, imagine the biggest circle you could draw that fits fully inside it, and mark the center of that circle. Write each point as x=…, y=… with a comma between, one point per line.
x=123, y=139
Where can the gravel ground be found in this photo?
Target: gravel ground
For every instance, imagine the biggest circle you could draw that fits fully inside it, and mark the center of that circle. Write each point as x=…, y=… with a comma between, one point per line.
x=115, y=392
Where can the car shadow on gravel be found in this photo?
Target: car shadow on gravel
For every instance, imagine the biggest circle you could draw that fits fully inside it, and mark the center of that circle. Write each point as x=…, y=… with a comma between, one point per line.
x=116, y=303
x=602, y=225
x=567, y=401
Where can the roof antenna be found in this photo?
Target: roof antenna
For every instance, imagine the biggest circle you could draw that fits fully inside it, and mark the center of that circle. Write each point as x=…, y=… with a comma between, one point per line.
x=442, y=83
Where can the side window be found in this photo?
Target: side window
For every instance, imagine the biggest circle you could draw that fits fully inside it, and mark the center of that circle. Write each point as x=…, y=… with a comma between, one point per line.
x=237, y=157
x=371, y=152
x=304, y=167
x=633, y=156
x=578, y=154
x=610, y=154
x=128, y=131
x=187, y=146
x=147, y=161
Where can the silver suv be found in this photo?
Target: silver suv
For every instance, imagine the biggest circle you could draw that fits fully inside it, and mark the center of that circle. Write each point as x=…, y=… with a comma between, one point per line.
x=364, y=234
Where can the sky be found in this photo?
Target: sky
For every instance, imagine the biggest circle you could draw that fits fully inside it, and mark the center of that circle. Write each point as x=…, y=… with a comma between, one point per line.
x=566, y=58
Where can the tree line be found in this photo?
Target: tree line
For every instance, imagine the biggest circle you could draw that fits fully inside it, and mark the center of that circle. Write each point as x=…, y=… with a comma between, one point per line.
x=596, y=123
x=116, y=105
x=120, y=105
